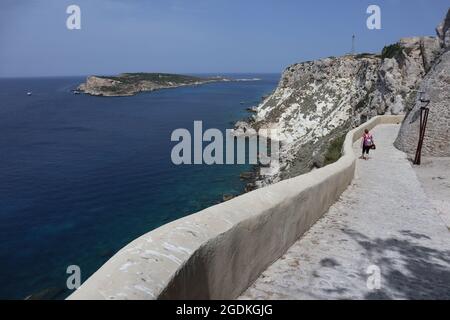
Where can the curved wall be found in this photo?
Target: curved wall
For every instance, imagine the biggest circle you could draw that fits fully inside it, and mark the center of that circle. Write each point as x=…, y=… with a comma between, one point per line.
x=218, y=252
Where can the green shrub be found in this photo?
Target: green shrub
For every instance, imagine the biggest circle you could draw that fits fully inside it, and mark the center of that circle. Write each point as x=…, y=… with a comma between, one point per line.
x=391, y=51
x=334, y=151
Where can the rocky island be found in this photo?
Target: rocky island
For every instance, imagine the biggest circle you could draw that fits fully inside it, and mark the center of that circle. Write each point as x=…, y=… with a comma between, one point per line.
x=128, y=84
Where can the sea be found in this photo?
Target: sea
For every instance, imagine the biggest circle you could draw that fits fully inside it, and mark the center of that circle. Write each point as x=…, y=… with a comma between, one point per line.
x=82, y=176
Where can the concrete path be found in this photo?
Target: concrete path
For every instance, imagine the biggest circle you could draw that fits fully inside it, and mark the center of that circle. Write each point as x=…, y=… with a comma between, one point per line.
x=434, y=175
x=384, y=220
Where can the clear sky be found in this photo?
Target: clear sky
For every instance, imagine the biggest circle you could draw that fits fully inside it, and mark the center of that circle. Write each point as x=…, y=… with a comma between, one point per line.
x=197, y=36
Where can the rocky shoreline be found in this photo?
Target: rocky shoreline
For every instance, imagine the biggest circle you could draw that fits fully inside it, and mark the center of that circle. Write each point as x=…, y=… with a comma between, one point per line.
x=252, y=177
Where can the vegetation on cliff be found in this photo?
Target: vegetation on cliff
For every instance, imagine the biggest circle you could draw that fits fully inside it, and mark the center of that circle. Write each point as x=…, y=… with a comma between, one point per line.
x=334, y=150
x=128, y=84
x=391, y=51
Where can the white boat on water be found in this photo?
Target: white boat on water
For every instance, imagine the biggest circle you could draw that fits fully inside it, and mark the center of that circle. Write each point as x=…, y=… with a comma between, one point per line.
x=29, y=93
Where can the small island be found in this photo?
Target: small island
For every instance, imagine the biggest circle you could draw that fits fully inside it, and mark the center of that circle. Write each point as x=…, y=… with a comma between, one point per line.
x=128, y=84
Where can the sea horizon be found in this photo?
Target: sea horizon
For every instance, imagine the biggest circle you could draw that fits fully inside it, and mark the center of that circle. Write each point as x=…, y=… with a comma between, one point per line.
x=113, y=73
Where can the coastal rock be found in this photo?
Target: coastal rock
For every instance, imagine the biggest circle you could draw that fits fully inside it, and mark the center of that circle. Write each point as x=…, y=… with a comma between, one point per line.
x=247, y=175
x=250, y=187
x=98, y=86
x=243, y=128
x=227, y=197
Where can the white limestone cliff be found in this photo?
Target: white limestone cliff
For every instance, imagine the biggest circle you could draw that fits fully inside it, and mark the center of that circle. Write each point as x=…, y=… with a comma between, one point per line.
x=316, y=102
x=435, y=94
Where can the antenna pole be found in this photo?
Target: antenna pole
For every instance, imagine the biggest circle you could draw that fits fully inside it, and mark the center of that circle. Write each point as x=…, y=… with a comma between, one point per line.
x=353, y=44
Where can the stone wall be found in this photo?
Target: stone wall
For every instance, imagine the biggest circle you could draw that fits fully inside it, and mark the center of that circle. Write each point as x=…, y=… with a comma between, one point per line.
x=218, y=252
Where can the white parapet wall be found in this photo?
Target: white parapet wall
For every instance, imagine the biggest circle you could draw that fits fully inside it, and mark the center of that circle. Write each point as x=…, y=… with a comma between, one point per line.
x=218, y=252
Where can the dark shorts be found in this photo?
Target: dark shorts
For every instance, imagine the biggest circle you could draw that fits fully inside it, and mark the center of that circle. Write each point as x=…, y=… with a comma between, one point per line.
x=366, y=149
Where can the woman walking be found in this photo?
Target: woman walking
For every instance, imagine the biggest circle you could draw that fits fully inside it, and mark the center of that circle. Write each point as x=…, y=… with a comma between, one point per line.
x=367, y=144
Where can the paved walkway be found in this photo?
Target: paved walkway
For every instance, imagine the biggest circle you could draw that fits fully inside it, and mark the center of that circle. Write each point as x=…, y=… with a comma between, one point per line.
x=384, y=219
x=434, y=175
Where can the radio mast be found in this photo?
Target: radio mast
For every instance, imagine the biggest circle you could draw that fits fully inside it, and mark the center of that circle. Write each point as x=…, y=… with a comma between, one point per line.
x=353, y=44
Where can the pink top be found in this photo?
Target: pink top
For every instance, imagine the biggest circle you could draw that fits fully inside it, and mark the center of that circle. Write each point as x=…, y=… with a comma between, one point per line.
x=367, y=139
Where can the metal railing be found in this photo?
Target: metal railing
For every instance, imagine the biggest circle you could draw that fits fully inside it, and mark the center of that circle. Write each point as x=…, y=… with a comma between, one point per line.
x=423, y=125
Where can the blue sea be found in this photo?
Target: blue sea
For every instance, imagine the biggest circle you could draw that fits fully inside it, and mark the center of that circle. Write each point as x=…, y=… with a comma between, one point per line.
x=82, y=176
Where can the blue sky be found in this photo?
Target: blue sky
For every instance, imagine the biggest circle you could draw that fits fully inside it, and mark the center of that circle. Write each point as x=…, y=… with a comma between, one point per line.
x=197, y=36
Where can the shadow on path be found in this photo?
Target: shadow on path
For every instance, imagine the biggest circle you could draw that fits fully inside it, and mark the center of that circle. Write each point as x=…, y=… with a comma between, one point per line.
x=409, y=270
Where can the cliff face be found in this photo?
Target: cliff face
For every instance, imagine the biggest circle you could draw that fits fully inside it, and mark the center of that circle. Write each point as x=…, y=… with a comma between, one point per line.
x=436, y=88
x=98, y=86
x=316, y=102
x=443, y=31
x=403, y=66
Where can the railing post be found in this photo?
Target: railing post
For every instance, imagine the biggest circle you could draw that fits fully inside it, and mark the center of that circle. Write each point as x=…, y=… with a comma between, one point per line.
x=423, y=125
